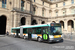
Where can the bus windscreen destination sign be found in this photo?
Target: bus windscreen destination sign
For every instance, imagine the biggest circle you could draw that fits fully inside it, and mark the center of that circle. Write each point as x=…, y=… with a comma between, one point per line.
x=55, y=25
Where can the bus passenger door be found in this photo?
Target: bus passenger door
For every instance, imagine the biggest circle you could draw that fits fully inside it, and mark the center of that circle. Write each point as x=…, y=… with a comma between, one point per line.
x=29, y=33
x=17, y=32
x=45, y=35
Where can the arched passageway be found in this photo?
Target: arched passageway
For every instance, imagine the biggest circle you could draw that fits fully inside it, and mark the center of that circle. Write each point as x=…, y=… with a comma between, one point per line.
x=70, y=25
x=62, y=25
x=3, y=20
x=43, y=22
x=34, y=22
x=23, y=20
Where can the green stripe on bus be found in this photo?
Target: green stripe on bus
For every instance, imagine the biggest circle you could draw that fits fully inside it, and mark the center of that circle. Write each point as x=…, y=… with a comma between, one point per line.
x=45, y=37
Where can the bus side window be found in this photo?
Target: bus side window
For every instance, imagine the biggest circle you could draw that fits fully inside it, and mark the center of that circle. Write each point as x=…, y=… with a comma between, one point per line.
x=45, y=30
x=25, y=30
x=33, y=30
x=38, y=31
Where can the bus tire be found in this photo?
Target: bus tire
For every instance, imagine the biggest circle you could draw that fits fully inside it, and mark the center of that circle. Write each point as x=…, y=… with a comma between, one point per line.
x=39, y=39
x=14, y=36
x=24, y=37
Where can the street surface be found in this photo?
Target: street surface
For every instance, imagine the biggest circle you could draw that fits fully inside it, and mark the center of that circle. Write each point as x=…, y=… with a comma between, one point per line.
x=11, y=43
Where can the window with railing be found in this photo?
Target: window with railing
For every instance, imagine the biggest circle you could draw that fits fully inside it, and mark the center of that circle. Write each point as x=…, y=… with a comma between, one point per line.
x=56, y=13
x=34, y=10
x=51, y=0
x=72, y=1
x=43, y=2
x=63, y=3
x=22, y=5
x=73, y=11
x=42, y=12
x=34, y=0
x=56, y=5
x=49, y=13
x=4, y=3
x=64, y=12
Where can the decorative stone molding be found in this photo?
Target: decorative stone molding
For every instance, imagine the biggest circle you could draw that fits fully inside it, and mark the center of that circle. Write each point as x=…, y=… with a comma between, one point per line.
x=72, y=7
x=50, y=10
x=56, y=10
x=43, y=8
x=63, y=9
x=34, y=5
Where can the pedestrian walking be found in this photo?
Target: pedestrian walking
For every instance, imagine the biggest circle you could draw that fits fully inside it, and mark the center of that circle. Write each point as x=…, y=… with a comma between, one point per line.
x=7, y=33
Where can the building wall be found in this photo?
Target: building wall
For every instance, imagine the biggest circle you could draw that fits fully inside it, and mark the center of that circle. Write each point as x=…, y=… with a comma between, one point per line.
x=14, y=14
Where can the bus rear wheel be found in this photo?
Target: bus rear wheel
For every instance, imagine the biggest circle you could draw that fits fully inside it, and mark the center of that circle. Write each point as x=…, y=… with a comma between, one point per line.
x=24, y=37
x=39, y=39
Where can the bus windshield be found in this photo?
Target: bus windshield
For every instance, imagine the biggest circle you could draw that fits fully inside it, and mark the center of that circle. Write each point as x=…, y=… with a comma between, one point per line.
x=55, y=30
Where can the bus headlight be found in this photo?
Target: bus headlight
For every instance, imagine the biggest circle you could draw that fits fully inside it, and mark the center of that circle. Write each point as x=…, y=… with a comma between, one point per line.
x=51, y=37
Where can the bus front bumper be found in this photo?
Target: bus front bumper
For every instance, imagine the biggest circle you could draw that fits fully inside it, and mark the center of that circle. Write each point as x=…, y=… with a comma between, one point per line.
x=56, y=39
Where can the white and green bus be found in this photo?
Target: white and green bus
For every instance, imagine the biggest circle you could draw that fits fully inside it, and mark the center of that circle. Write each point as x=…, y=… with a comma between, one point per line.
x=44, y=32
x=15, y=31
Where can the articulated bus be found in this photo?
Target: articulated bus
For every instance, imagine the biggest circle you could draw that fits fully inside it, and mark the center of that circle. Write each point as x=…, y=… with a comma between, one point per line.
x=44, y=32
x=15, y=31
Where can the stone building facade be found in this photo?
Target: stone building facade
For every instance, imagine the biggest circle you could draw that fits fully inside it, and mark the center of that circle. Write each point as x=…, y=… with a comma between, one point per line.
x=14, y=13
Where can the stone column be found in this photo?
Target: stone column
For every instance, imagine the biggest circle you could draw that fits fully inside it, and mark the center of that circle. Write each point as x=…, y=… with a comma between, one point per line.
x=39, y=21
x=1, y=3
x=15, y=17
x=74, y=25
x=28, y=20
x=65, y=26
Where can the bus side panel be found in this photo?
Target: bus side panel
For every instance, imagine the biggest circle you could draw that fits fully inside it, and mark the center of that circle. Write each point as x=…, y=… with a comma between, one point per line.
x=21, y=31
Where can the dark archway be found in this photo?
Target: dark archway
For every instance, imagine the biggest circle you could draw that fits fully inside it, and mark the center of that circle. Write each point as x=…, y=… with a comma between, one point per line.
x=43, y=22
x=70, y=25
x=34, y=22
x=23, y=20
x=53, y=22
x=3, y=20
x=62, y=23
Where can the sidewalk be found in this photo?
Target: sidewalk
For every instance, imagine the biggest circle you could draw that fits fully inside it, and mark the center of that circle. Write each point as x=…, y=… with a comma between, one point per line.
x=2, y=35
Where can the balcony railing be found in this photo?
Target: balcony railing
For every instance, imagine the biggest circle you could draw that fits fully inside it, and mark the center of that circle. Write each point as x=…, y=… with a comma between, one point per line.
x=19, y=10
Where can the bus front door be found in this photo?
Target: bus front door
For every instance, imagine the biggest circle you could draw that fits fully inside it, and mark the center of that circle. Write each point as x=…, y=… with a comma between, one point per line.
x=45, y=35
x=29, y=33
x=17, y=33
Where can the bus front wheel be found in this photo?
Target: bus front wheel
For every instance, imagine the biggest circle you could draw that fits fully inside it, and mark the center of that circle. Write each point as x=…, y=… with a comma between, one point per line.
x=39, y=39
x=14, y=36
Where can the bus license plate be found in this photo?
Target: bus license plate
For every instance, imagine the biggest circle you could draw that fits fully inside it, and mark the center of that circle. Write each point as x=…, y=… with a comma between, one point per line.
x=57, y=40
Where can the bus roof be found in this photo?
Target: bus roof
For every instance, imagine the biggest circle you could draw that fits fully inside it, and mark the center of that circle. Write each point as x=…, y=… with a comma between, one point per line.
x=15, y=28
x=32, y=26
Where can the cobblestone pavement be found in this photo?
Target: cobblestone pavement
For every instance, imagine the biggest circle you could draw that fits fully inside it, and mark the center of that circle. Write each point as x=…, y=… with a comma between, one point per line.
x=11, y=43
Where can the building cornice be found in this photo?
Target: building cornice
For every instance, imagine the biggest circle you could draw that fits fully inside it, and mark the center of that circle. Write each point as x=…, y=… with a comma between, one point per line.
x=63, y=16
x=28, y=12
